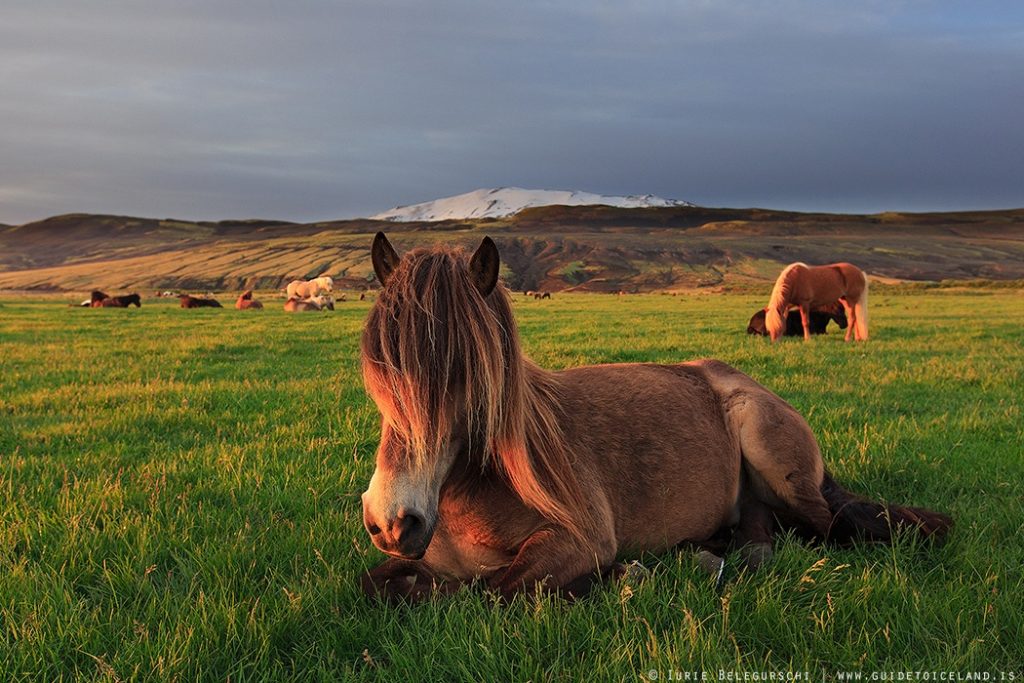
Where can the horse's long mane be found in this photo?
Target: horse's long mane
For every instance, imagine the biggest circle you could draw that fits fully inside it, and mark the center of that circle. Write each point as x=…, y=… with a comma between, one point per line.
x=775, y=313
x=439, y=357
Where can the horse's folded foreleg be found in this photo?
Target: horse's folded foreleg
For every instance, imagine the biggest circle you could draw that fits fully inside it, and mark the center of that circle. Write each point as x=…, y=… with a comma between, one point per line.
x=552, y=559
x=405, y=581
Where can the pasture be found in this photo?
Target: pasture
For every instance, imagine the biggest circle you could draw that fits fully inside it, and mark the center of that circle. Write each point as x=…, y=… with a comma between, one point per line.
x=179, y=500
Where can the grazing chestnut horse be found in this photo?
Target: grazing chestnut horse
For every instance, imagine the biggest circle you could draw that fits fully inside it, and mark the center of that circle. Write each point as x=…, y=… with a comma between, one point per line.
x=122, y=301
x=794, y=321
x=198, y=302
x=810, y=287
x=303, y=289
x=245, y=302
x=491, y=468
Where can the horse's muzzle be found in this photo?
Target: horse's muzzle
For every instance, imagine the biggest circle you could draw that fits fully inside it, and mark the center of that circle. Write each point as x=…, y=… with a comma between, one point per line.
x=406, y=536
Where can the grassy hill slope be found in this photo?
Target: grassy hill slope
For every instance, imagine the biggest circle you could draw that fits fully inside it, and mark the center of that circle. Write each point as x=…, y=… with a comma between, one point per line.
x=588, y=248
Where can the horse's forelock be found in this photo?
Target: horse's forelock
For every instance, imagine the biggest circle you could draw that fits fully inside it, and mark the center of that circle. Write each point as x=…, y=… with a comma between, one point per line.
x=430, y=339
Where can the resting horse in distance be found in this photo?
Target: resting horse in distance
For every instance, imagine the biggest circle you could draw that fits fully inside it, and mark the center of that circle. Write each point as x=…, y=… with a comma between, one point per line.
x=188, y=301
x=794, y=321
x=809, y=287
x=122, y=301
x=313, y=303
x=245, y=302
x=492, y=469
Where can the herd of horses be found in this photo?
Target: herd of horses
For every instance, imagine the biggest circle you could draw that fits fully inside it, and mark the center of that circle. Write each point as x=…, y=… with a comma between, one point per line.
x=804, y=300
x=302, y=295
x=495, y=472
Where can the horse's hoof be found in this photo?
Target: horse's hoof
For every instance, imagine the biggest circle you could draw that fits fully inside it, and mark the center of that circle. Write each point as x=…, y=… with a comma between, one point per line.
x=712, y=564
x=756, y=554
x=634, y=572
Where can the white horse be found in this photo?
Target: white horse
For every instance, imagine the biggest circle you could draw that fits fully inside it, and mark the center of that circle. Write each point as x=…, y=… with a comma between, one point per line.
x=303, y=289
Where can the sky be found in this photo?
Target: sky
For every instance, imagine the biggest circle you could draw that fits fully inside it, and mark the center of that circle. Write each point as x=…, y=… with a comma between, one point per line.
x=314, y=110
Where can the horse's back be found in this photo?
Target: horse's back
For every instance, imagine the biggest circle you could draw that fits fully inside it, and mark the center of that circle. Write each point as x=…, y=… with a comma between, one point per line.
x=674, y=442
x=654, y=438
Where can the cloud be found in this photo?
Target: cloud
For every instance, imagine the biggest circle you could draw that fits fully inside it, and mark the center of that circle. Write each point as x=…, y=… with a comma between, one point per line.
x=317, y=109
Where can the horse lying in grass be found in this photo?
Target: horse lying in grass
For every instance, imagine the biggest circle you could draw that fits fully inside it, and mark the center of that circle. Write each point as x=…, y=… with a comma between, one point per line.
x=99, y=299
x=819, y=321
x=245, y=302
x=188, y=301
x=325, y=301
x=315, y=303
x=812, y=287
x=304, y=289
x=495, y=470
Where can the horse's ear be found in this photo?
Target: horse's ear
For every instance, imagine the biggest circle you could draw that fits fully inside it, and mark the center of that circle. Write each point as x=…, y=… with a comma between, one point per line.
x=385, y=258
x=483, y=267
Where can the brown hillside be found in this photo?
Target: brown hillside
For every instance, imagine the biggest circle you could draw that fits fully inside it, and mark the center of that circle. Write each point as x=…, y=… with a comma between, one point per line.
x=555, y=247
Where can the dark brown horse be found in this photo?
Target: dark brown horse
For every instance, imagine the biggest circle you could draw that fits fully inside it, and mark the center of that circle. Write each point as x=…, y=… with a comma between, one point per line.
x=542, y=295
x=819, y=321
x=807, y=287
x=245, y=302
x=188, y=301
x=122, y=301
x=493, y=469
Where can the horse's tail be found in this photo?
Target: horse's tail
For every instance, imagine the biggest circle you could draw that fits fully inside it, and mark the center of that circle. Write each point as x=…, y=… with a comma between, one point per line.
x=860, y=309
x=855, y=518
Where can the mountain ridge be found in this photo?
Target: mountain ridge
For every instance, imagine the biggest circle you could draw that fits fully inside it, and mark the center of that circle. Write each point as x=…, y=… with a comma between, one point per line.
x=502, y=202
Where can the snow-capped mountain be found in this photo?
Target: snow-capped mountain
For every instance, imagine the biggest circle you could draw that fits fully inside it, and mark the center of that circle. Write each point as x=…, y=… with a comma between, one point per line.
x=505, y=201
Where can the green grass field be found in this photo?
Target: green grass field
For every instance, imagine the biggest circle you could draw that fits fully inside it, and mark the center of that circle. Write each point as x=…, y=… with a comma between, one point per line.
x=179, y=500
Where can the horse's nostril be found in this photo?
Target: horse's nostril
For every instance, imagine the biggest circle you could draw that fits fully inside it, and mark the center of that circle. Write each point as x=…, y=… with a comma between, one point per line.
x=410, y=523
x=372, y=528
